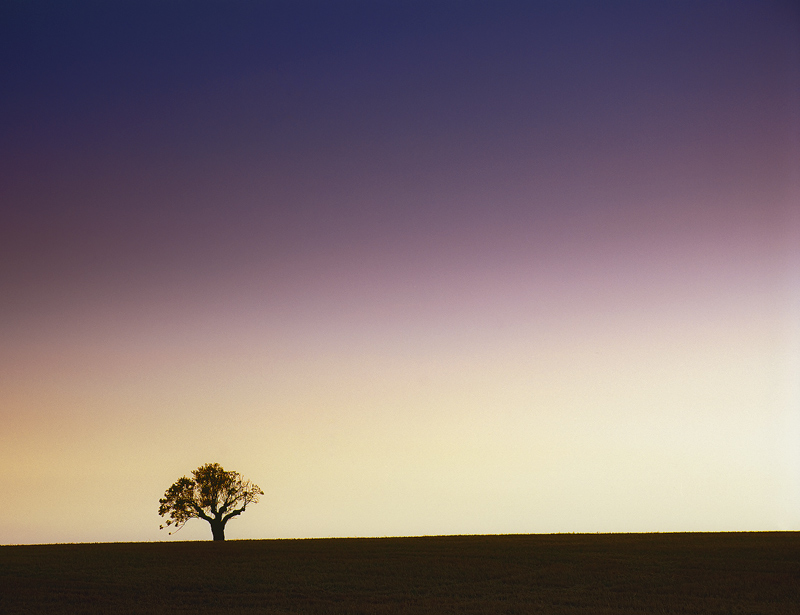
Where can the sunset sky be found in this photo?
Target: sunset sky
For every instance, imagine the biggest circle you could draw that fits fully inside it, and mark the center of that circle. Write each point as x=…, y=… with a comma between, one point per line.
x=434, y=267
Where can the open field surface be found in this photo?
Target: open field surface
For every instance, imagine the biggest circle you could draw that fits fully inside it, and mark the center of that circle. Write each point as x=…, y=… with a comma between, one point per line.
x=753, y=573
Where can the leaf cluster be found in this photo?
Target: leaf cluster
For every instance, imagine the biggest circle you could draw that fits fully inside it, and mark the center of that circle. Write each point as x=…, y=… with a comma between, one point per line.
x=212, y=494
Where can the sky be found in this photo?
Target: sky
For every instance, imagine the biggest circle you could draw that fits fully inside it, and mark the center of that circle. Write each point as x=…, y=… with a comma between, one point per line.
x=412, y=267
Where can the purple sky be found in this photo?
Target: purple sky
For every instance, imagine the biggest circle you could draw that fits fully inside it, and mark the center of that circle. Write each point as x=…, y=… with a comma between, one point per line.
x=396, y=260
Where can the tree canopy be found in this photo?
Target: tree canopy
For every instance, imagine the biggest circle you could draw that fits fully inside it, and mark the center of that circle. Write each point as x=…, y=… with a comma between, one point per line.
x=212, y=494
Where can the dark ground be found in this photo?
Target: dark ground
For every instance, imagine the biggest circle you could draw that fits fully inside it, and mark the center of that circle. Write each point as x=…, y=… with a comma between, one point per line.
x=732, y=573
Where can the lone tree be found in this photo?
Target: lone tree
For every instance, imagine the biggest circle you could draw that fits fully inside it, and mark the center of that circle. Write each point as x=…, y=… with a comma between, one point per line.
x=213, y=495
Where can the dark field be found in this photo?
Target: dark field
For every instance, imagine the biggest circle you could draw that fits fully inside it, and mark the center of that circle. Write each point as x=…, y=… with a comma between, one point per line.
x=581, y=573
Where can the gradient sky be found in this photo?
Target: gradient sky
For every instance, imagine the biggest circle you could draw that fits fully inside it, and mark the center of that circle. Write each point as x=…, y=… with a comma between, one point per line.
x=412, y=267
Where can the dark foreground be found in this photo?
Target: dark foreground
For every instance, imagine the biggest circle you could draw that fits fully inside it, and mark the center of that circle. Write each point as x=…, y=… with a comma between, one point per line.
x=754, y=573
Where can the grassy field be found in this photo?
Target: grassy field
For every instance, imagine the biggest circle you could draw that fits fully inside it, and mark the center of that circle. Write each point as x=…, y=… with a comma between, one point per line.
x=750, y=573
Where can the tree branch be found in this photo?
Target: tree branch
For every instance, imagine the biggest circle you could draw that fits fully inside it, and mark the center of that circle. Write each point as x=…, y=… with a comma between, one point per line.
x=201, y=513
x=233, y=513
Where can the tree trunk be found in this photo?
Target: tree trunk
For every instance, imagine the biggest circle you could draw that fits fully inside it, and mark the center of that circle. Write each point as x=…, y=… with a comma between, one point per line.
x=218, y=530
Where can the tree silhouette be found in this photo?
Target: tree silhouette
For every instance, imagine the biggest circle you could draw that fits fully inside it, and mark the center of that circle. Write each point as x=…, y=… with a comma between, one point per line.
x=213, y=495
